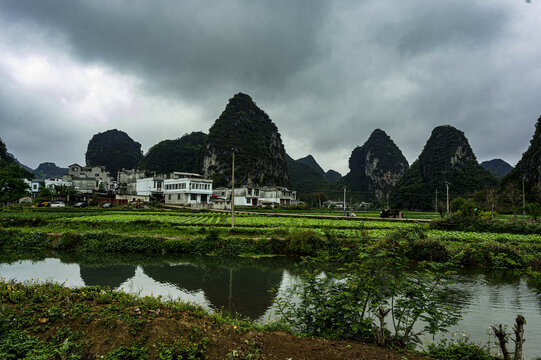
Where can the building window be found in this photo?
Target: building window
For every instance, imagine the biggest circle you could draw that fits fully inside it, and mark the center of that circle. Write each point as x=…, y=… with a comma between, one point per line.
x=169, y=197
x=194, y=197
x=178, y=196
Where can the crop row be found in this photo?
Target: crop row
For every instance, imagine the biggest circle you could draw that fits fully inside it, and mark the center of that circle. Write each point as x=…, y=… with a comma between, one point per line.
x=243, y=221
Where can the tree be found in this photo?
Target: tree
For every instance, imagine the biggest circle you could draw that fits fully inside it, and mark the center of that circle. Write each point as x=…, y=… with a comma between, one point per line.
x=12, y=185
x=534, y=210
x=537, y=191
x=492, y=194
x=44, y=195
x=513, y=195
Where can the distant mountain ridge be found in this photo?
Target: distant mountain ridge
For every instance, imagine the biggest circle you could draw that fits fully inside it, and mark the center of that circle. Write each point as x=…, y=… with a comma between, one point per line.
x=48, y=170
x=44, y=170
x=310, y=161
x=528, y=167
x=375, y=167
x=113, y=149
x=305, y=179
x=183, y=154
x=260, y=157
x=497, y=167
x=332, y=176
x=19, y=163
x=446, y=158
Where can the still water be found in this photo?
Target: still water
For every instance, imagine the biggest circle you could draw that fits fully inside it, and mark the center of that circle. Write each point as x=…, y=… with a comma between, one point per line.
x=245, y=286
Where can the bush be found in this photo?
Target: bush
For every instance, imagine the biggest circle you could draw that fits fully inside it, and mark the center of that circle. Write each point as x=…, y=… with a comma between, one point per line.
x=21, y=239
x=482, y=224
x=230, y=246
x=428, y=249
x=179, y=245
x=66, y=241
x=304, y=243
x=492, y=253
x=460, y=350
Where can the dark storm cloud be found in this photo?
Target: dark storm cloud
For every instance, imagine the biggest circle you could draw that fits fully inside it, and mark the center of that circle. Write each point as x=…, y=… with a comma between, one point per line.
x=328, y=73
x=187, y=47
x=32, y=129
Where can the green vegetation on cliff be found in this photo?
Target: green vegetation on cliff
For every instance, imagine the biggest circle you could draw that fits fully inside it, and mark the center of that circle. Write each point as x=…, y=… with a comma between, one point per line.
x=49, y=170
x=529, y=168
x=260, y=157
x=183, y=154
x=113, y=149
x=311, y=162
x=375, y=168
x=446, y=157
x=304, y=179
x=333, y=176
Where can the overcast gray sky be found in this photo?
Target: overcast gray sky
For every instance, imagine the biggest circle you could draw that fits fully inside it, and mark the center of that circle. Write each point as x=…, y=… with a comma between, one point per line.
x=327, y=72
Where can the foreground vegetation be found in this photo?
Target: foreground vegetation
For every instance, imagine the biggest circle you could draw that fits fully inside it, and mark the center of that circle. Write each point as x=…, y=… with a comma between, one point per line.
x=48, y=321
x=61, y=321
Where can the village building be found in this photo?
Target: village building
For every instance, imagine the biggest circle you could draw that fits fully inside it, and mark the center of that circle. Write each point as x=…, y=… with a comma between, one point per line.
x=151, y=187
x=88, y=179
x=34, y=186
x=52, y=183
x=259, y=196
x=127, y=180
x=182, y=188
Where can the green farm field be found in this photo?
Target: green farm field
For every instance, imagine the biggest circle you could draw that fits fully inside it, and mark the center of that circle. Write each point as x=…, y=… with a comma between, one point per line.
x=173, y=223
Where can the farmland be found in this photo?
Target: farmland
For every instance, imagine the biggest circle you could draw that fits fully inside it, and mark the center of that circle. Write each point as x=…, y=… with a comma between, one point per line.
x=199, y=227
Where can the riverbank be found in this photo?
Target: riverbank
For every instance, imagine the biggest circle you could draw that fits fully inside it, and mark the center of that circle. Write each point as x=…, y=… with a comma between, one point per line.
x=51, y=320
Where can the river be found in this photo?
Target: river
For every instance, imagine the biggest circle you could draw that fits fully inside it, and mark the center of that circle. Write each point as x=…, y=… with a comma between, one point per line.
x=244, y=286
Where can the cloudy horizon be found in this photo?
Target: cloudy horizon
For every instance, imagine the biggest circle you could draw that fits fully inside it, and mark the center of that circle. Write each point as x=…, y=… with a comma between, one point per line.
x=326, y=72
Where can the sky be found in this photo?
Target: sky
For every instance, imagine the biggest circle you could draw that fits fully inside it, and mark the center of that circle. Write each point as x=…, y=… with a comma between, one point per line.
x=326, y=72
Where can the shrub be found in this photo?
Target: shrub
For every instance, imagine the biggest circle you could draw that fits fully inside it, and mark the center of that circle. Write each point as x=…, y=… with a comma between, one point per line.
x=482, y=224
x=66, y=241
x=492, y=253
x=304, y=243
x=230, y=246
x=23, y=239
x=462, y=349
x=428, y=249
x=178, y=245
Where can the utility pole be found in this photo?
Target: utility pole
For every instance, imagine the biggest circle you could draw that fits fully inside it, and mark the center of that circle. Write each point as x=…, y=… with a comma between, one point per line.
x=436, y=200
x=523, y=200
x=344, y=201
x=447, y=186
x=233, y=189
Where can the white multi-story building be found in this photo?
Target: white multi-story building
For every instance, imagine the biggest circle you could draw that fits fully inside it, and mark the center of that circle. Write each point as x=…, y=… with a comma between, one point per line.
x=51, y=183
x=187, y=189
x=151, y=186
x=253, y=196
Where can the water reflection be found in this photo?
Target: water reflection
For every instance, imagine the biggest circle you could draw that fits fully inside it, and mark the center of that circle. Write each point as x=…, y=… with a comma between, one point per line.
x=244, y=290
x=243, y=285
x=111, y=276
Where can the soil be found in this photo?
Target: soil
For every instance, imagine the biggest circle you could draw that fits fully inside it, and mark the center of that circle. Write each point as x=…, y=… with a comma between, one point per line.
x=102, y=321
x=223, y=341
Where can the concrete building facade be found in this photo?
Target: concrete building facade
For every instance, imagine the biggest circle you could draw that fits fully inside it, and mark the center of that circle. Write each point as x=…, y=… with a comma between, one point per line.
x=187, y=189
